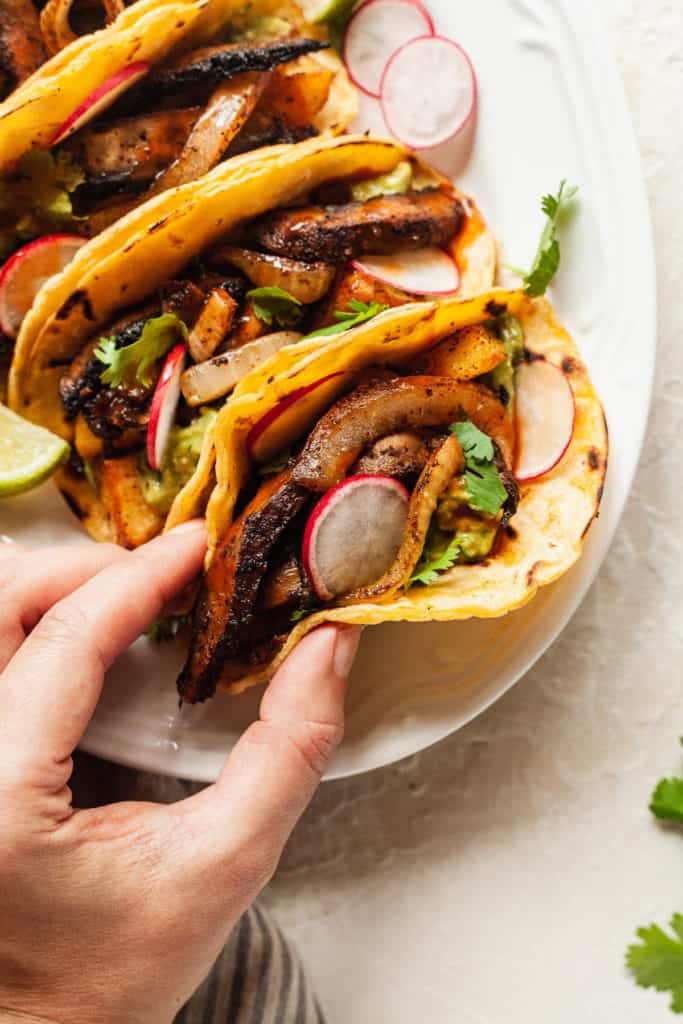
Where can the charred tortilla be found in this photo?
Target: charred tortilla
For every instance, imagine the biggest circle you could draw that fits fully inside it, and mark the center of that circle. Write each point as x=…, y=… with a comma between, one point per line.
x=540, y=542
x=188, y=254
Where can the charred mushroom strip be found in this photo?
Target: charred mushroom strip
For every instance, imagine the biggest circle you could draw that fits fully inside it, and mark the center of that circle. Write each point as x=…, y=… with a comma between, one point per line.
x=445, y=463
x=266, y=128
x=225, y=609
x=402, y=456
x=138, y=146
x=386, y=224
x=375, y=410
x=213, y=63
x=286, y=585
x=21, y=43
x=213, y=323
x=184, y=298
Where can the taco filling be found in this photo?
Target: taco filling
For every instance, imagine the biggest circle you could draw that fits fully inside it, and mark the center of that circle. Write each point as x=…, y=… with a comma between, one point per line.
x=407, y=475
x=138, y=386
x=258, y=81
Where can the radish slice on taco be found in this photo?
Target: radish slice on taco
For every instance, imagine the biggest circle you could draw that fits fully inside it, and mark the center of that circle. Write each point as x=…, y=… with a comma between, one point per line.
x=134, y=348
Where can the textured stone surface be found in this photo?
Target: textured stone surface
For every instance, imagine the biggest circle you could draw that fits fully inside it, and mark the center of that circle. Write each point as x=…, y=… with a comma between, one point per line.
x=499, y=876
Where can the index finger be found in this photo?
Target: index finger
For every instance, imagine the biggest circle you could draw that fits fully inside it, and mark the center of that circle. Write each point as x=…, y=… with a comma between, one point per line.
x=52, y=684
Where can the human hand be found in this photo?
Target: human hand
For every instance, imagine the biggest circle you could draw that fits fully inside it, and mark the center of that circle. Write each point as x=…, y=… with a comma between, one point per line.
x=116, y=914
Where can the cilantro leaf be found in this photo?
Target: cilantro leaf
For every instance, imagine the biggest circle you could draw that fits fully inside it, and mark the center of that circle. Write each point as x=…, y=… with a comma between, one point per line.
x=474, y=442
x=275, y=304
x=166, y=629
x=428, y=568
x=133, y=364
x=485, y=490
x=547, y=259
x=667, y=800
x=357, y=313
x=657, y=962
x=300, y=613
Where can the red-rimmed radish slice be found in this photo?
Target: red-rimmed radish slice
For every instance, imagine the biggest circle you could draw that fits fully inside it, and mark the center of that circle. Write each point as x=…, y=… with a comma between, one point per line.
x=545, y=412
x=290, y=416
x=354, y=533
x=26, y=271
x=99, y=99
x=164, y=405
x=376, y=30
x=422, y=271
x=429, y=91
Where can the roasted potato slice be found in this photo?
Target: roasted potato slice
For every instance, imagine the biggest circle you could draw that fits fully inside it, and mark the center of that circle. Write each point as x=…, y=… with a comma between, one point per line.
x=133, y=521
x=299, y=90
x=469, y=353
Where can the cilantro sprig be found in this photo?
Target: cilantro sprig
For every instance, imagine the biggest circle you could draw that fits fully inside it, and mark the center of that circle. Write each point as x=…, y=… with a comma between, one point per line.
x=357, y=313
x=657, y=960
x=275, y=303
x=547, y=260
x=428, y=569
x=299, y=614
x=484, y=487
x=134, y=364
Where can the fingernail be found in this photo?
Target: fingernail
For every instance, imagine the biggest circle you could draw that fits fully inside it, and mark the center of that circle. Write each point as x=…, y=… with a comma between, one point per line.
x=191, y=524
x=345, y=649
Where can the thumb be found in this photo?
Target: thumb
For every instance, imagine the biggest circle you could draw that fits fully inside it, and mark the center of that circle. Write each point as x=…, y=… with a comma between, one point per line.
x=274, y=770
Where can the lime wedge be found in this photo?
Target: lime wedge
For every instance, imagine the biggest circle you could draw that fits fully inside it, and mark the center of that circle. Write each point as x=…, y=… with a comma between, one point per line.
x=28, y=454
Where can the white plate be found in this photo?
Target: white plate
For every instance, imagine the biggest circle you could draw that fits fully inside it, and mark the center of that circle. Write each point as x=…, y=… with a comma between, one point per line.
x=551, y=106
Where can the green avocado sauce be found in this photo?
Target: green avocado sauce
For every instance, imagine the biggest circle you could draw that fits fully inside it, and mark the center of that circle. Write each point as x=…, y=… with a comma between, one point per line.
x=185, y=445
x=509, y=330
x=394, y=183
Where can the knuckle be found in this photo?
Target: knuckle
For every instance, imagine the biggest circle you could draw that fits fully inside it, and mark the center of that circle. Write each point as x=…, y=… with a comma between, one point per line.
x=65, y=622
x=316, y=742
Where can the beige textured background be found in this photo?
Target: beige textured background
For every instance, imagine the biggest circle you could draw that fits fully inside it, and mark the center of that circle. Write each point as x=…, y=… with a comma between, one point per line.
x=499, y=876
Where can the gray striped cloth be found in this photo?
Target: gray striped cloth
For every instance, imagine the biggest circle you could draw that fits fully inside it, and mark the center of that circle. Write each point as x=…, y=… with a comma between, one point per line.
x=257, y=979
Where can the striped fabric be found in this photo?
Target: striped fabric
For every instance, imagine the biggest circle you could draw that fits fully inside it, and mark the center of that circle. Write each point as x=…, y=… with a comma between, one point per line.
x=257, y=979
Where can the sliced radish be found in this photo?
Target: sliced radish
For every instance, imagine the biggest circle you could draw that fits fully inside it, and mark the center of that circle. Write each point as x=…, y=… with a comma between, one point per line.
x=545, y=411
x=376, y=30
x=354, y=533
x=164, y=405
x=429, y=91
x=101, y=98
x=423, y=271
x=26, y=271
x=290, y=416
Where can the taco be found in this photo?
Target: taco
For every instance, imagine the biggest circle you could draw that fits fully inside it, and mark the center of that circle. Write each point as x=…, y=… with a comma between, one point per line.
x=376, y=477
x=130, y=352
x=92, y=125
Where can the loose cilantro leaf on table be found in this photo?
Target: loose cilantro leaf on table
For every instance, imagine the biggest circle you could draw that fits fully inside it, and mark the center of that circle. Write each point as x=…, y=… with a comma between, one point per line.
x=133, y=364
x=657, y=962
x=667, y=800
x=275, y=304
x=547, y=259
x=357, y=313
x=427, y=569
x=485, y=490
